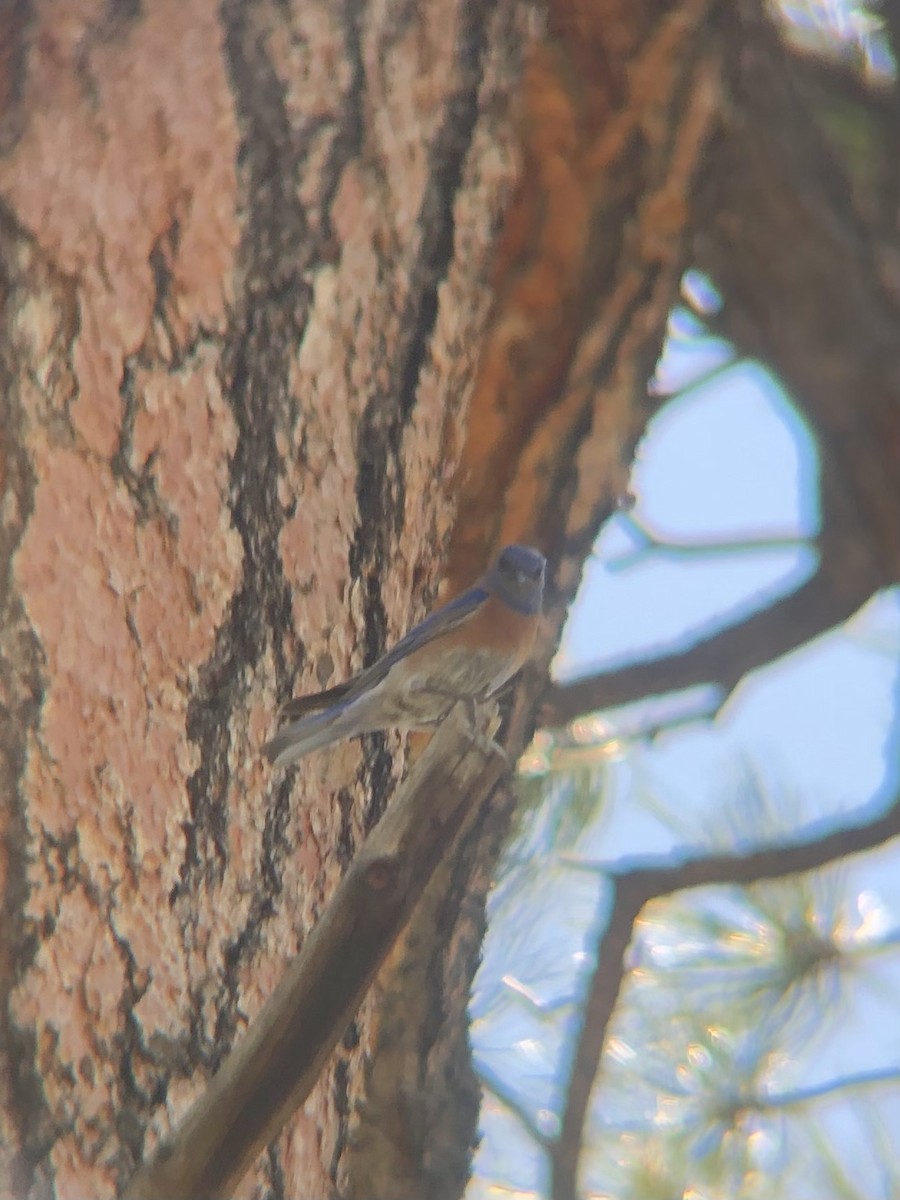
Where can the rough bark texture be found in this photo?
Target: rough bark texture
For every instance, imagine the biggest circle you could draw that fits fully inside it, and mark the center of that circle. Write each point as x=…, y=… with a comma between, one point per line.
x=269, y=347
x=618, y=100
x=226, y=371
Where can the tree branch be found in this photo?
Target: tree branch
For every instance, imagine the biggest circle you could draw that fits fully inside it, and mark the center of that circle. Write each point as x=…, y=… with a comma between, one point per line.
x=632, y=889
x=725, y=658
x=494, y=1085
x=826, y=317
x=825, y=314
x=800, y=1096
x=272, y=1070
x=647, y=543
x=842, y=371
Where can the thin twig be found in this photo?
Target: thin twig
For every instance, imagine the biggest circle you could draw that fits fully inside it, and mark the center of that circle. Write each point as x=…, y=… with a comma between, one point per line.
x=799, y=1096
x=495, y=1086
x=650, y=544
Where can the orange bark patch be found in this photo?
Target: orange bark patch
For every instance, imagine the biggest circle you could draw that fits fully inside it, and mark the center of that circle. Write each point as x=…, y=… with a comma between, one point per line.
x=615, y=112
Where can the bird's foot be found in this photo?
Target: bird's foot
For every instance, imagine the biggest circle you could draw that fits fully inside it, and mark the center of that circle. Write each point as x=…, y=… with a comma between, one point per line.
x=478, y=737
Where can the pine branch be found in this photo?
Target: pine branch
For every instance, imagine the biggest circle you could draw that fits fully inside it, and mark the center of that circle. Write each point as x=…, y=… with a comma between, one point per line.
x=631, y=891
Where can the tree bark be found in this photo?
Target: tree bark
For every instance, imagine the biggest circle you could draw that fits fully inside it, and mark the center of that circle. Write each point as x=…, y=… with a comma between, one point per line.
x=244, y=253
x=277, y=333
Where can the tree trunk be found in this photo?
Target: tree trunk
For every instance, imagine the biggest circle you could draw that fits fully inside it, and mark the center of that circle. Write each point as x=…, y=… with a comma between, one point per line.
x=251, y=275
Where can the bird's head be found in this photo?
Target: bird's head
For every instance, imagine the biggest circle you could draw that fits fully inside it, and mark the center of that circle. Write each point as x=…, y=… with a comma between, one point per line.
x=517, y=578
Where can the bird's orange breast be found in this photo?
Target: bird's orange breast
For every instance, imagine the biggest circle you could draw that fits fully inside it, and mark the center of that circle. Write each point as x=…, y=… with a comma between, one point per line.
x=500, y=628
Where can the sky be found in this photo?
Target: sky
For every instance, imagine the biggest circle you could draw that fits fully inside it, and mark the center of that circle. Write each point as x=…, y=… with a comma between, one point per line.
x=727, y=459
x=813, y=737
x=732, y=460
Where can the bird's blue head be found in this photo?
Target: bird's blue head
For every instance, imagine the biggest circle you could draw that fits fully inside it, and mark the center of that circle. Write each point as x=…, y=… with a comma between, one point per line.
x=517, y=578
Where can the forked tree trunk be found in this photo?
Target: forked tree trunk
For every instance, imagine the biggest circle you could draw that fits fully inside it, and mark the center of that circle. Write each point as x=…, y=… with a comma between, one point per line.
x=246, y=258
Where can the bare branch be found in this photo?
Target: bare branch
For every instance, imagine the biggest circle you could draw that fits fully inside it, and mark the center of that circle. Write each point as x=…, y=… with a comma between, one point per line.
x=272, y=1070
x=648, y=544
x=496, y=1087
x=825, y=316
x=825, y=313
x=826, y=600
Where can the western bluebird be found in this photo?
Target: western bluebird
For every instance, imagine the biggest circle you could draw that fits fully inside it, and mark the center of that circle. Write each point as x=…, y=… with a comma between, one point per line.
x=464, y=651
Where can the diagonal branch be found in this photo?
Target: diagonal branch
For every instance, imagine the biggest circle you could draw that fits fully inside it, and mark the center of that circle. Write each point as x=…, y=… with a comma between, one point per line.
x=826, y=316
x=648, y=544
x=272, y=1070
x=820, y=604
x=801, y=1096
x=494, y=1085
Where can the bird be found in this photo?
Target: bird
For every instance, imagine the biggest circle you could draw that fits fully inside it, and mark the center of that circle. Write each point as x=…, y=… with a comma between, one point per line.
x=464, y=651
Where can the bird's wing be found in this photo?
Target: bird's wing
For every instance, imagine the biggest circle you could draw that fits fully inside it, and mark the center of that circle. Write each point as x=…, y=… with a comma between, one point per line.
x=453, y=614
x=450, y=616
x=300, y=706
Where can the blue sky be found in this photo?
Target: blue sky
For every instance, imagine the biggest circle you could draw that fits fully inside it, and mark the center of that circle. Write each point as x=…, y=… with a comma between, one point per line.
x=732, y=460
x=727, y=459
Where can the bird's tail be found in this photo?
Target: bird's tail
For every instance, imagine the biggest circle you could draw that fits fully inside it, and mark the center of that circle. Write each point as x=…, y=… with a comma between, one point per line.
x=345, y=720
